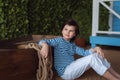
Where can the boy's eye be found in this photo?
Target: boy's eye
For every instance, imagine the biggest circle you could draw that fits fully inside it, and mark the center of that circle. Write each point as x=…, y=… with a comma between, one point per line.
x=72, y=31
x=65, y=29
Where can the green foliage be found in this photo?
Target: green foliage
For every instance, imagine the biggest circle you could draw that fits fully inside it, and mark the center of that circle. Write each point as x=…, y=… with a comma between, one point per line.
x=26, y=17
x=47, y=16
x=13, y=20
x=104, y=16
x=84, y=17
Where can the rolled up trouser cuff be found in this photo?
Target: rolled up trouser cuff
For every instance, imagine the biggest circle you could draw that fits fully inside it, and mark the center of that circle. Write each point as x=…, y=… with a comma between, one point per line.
x=99, y=64
x=101, y=73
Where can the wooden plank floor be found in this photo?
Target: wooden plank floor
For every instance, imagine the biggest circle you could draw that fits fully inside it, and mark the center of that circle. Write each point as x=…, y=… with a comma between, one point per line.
x=113, y=56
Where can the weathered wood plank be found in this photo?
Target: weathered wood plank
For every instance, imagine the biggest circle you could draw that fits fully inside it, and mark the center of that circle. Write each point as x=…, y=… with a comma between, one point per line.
x=18, y=64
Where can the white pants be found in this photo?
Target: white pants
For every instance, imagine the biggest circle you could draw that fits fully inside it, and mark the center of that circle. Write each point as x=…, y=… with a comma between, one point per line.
x=79, y=66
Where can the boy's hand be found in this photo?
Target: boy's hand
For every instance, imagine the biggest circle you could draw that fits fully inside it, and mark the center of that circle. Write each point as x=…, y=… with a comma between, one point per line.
x=99, y=51
x=44, y=50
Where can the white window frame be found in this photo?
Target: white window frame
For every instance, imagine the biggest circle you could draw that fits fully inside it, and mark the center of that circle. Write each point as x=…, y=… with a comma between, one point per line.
x=95, y=17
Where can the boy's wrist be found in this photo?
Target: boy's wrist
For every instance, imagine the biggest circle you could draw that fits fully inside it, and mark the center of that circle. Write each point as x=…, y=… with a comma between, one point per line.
x=93, y=50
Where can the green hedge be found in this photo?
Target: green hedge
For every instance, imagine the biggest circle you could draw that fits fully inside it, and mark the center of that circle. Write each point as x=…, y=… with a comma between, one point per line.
x=26, y=17
x=14, y=19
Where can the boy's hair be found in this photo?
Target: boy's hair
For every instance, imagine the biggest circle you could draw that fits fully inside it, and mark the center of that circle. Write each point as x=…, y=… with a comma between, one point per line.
x=72, y=22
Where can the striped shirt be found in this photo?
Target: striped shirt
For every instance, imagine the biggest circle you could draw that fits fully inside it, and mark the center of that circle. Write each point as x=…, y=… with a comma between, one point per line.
x=64, y=52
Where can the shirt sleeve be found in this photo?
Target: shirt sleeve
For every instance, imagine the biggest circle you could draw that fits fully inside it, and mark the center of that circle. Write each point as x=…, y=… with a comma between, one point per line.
x=51, y=42
x=82, y=51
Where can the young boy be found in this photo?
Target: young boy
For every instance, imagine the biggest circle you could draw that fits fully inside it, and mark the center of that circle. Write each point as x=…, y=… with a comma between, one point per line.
x=64, y=49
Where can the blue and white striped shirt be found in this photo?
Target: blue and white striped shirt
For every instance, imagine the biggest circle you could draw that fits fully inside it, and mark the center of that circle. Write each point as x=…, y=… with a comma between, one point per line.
x=64, y=52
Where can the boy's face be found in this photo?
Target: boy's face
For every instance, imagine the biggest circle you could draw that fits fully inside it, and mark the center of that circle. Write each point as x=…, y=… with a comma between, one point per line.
x=68, y=32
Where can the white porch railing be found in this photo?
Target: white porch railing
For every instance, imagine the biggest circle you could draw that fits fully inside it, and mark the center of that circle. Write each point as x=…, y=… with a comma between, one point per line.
x=95, y=17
